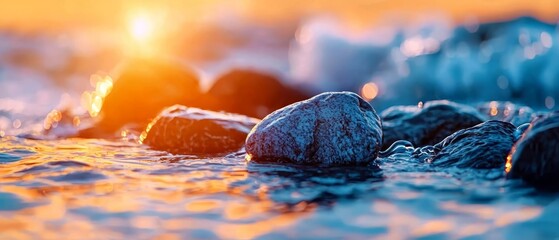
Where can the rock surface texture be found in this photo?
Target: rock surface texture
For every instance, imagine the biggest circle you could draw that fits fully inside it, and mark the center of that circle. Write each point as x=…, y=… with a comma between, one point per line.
x=535, y=157
x=483, y=146
x=427, y=125
x=330, y=129
x=184, y=130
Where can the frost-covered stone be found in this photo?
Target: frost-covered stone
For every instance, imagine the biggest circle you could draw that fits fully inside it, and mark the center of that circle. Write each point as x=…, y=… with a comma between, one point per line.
x=184, y=130
x=535, y=157
x=427, y=125
x=483, y=146
x=335, y=128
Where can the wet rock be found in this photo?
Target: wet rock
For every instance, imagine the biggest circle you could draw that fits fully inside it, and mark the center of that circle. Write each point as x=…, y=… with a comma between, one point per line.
x=251, y=93
x=143, y=89
x=535, y=157
x=507, y=112
x=483, y=146
x=182, y=130
x=330, y=129
x=428, y=125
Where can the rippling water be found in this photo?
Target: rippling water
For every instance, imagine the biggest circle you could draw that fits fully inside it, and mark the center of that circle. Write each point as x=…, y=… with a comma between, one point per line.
x=91, y=188
x=79, y=188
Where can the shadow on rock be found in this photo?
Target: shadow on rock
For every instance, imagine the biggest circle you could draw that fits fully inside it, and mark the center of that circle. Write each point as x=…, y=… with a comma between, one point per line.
x=535, y=157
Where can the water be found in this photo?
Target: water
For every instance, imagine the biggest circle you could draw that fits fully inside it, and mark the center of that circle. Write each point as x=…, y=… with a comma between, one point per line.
x=92, y=188
x=79, y=188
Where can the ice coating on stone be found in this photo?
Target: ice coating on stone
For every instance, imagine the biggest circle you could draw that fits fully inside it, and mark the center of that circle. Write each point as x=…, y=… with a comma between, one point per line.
x=333, y=128
x=183, y=130
x=483, y=146
x=427, y=125
x=535, y=157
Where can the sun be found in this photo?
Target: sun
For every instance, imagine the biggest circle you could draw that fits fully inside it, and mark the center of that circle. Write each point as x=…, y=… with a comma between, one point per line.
x=141, y=28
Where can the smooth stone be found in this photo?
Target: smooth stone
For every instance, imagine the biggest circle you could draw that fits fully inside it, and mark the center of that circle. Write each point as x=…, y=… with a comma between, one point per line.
x=330, y=129
x=142, y=90
x=483, y=146
x=535, y=157
x=251, y=93
x=507, y=112
x=182, y=130
x=427, y=125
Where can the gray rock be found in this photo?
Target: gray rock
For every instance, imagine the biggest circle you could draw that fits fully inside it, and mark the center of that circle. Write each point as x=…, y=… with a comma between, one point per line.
x=483, y=146
x=330, y=129
x=179, y=129
x=535, y=157
x=427, y=125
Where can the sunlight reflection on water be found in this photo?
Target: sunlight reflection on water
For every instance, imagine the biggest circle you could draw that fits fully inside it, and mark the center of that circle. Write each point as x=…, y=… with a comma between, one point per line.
x=80, y=188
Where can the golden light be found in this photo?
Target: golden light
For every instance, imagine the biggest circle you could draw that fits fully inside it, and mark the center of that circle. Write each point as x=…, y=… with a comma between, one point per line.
x=493, y=108
x=93, y=101
x=248, y=157
x=141, y=28
x=369, y=91
x=508, y=164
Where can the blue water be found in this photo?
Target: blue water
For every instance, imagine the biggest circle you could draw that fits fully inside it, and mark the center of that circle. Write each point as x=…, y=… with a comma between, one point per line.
x=111, y=189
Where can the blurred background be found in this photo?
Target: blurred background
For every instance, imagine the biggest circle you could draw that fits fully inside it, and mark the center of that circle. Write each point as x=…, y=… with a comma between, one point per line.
x=57, y=53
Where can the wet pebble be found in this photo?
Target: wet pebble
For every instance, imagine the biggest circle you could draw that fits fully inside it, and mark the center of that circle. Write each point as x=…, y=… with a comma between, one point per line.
x=427, y=125
x=535, y=157
x=483, y=146
x=335, y=128
x=182, y=130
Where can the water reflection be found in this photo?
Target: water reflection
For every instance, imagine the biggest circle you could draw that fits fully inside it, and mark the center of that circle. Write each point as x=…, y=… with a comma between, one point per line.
x=91, y=188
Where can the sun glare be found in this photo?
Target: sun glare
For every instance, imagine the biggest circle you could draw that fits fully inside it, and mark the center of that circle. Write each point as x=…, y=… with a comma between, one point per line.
x=141, y=28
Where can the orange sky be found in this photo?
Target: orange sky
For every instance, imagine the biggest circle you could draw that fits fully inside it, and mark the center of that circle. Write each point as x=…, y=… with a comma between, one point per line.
x=40, y=14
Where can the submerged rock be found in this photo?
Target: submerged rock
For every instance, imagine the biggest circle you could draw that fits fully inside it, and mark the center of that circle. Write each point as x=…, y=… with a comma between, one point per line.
x=507, y=112
x=428, y=125
x=335, y=128
x=535, y=157
x=251, y=93
x=182, y=130
x=483, y=146
x=143, y=89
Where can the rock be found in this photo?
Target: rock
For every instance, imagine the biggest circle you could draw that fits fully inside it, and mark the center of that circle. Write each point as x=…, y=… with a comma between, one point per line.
x=182, y=130
x=330, y=129
x=143, y=89
x=251, y=93
x=535, y=157
x=507, y=112
x=483, y=146
x=428, y=125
